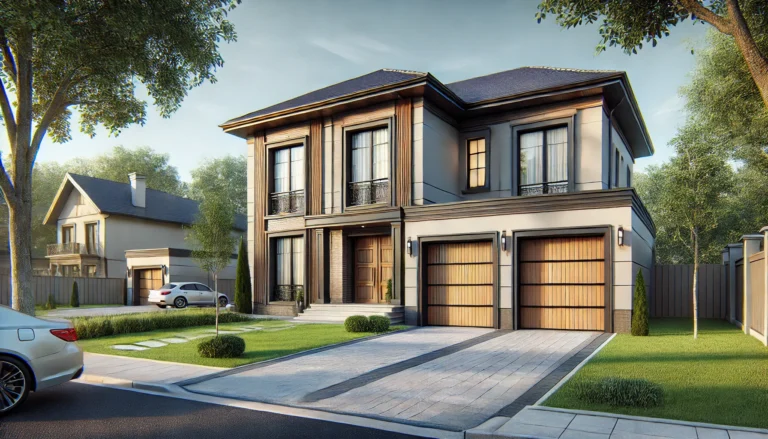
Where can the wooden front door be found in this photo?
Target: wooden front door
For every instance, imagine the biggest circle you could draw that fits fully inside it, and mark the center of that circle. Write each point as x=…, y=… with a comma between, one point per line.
x=373, y=268
x=562, y=283
x=147, y=279
x=460, y=284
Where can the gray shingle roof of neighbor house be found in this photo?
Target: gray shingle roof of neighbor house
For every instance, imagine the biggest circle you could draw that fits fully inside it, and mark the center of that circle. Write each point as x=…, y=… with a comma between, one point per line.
x=115, y=198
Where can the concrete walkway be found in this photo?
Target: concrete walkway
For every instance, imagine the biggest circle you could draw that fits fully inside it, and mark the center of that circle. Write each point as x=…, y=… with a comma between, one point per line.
x=137, y=372
x=545, y=423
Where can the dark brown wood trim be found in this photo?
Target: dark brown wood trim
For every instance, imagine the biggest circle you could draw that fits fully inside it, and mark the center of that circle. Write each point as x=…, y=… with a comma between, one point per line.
x=605, y=231
x=398, y=281
x=424, y=241
x=403, y=152
x=381, y=215
x=314, y=190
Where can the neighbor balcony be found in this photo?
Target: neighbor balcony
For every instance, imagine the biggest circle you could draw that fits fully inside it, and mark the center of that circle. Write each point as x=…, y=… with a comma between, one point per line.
x=71, y=248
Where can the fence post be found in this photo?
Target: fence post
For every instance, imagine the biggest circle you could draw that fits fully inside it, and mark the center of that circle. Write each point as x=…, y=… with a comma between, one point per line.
x=764, y=231
x=735, y=251
x=751, y=246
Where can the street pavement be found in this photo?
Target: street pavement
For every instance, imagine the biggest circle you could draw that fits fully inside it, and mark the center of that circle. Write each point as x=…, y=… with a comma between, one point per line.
x=84, y=411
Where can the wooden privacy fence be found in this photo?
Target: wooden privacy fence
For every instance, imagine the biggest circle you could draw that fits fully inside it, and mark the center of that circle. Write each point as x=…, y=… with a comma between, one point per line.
x=91, y=290
x=226, y=286
x=757, y=290
x=739, y=293
x=673, y=288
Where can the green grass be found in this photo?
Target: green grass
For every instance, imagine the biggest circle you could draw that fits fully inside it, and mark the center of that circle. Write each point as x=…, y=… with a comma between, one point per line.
x=721, y=378
x=259, y=345
x=40, y=309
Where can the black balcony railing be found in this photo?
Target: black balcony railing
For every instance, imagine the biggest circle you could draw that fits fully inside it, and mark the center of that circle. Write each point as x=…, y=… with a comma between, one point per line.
x=287, y=202
x=559, y=187
x=286, y=293
x=369, y=192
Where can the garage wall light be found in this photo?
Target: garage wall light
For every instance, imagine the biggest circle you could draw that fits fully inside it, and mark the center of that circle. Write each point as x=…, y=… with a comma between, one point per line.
x=409, y=247
x=620, y=236
x=504, y=240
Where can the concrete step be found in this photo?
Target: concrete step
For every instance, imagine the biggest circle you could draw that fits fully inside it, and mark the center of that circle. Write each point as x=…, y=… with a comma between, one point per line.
x=339, y=313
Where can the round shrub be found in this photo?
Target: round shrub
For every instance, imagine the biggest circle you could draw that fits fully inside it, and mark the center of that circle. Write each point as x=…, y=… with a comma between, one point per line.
x=619, y=392
x=223, y=346
x=357, y=324
x=379, y=323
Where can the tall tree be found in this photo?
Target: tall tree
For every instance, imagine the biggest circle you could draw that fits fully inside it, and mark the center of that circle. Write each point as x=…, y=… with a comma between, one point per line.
x=225, y=176
x=213, y=240
x=629, y=24
x=89, y=55
x=243, y=290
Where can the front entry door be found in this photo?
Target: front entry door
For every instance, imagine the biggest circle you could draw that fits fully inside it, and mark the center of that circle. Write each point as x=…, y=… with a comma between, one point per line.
x=373, y=268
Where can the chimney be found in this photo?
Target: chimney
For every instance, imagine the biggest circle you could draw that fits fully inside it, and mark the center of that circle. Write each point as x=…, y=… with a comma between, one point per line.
x=138, y=189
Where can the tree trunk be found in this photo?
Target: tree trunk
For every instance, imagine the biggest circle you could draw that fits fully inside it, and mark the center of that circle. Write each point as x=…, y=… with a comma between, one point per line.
x=756, y=62
x=216, y=299
x=695, y=285
x=20, y=219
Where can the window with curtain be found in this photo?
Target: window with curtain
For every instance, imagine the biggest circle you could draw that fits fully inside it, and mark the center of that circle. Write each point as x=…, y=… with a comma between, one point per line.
x=476, y=172
x=369, y=167
x=289, y=268
x=90, y=238
x=544, y=161
x=288, y=181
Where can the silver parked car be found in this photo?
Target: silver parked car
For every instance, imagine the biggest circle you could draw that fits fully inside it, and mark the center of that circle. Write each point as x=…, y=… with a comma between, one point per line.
x=34, y=354
x=181, y=294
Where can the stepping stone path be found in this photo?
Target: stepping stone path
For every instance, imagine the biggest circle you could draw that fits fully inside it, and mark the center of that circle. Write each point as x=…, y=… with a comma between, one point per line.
x=183, y=338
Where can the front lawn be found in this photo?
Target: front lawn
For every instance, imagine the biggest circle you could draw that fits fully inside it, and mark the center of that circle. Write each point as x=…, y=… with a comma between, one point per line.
x=721, y=378
x=276, y=339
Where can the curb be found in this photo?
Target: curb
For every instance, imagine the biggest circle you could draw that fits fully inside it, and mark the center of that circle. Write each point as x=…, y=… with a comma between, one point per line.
x=128, y=384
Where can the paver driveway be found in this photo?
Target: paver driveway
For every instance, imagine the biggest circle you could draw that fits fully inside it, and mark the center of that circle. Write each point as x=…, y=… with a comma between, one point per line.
x=406, y=376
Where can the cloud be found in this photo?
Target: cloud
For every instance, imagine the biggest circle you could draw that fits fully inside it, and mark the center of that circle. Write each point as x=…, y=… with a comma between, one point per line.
x=672, y=106
x=353, y=48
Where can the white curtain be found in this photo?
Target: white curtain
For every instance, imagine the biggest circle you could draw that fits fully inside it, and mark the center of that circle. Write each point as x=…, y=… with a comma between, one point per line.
x=361, y=156
x=297, y=168
x=283, y=253
x=531, y=156
x=282, y=157
x=380, y=154
x=298, y=260
x=557, y=154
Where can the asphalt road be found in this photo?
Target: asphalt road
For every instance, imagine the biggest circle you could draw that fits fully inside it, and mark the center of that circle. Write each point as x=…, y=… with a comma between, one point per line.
x=83, y=411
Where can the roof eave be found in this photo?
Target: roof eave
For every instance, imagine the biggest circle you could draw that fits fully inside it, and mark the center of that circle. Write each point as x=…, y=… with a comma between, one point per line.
x=55, y=208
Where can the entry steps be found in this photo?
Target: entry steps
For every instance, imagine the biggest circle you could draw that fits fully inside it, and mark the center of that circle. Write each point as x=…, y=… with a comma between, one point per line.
x=328, y=312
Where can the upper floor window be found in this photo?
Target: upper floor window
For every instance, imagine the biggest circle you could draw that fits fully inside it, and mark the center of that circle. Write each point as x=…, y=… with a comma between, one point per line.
x=369, y=178
x=67, y=234
x=544, y=161
x=476, y=170
x=90, y=238
x=288, y=181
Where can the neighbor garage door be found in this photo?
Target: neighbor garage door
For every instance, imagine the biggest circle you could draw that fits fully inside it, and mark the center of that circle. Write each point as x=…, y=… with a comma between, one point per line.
x=148, y=279
x=460, y=284
x=562, y=283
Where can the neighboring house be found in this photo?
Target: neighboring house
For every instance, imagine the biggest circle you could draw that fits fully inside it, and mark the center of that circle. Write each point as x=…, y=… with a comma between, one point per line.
x=500, y=201
x=110, y=229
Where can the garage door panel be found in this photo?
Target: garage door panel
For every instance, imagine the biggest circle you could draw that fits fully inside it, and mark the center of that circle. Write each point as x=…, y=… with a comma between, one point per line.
x=467, y=252
x=562, y=295
x=585, y=319
x=460, y=316
x=564, y=249
x=472, y=274
x=460, y=295
x=577, y=272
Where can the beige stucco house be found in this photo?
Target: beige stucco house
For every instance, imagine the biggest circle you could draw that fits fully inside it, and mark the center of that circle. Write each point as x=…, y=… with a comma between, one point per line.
x=500, y=201
x=110, y=229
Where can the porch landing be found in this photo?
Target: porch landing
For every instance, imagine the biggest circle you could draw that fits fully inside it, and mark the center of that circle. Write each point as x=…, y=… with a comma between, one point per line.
x=335, y=313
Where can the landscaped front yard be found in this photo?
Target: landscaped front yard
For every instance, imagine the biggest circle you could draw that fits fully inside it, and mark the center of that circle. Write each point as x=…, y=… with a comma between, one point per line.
x=276, y=339
x=721, y=378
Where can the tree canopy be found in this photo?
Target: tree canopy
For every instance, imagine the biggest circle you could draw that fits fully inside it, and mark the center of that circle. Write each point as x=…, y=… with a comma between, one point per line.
x=224, y=176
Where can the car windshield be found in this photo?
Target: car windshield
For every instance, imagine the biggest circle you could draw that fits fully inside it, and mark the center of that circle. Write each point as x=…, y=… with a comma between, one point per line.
x=168, y=287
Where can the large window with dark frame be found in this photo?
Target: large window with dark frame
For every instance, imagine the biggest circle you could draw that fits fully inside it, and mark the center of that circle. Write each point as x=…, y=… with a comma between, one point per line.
x=289, y=268
x=369, y=167
x=476, y=173
x=288, y=181
x=544, y=161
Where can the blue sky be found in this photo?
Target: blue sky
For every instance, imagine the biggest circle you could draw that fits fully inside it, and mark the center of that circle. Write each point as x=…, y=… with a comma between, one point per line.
x=289, y=47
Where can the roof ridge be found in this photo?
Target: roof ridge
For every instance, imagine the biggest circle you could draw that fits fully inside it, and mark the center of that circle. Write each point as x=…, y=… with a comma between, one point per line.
x=407, y=72
x=569, y=69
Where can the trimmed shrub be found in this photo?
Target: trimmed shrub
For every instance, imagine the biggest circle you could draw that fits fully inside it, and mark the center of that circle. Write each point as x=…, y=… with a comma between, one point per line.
x=378, y=323
x=74, y=299
x=621, y=392
x=223, y=346
x=50, y=303
x=357, y=324
x=640, y=307
x=94, y=327
x=243, y=282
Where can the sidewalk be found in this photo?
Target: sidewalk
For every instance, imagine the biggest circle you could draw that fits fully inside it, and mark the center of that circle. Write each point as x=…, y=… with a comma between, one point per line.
x=546, y=422
x=139, y=373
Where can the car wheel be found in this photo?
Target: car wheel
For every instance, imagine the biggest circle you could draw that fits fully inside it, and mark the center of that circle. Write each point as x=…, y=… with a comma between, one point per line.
x=15, y=381
x=180, y=302
x=223, y=302
x=161, y=306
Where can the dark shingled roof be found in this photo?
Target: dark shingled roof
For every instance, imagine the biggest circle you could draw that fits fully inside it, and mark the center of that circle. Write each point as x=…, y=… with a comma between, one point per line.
x=115, y=198
x=376, y=79
x=522, y=80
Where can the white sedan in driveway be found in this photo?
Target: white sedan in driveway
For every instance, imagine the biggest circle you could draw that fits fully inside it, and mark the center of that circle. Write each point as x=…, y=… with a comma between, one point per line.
x=34, y=354
x=181, y=294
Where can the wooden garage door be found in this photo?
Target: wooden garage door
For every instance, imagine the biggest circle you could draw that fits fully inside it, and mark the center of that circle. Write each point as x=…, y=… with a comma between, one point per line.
x=148, y=279
x=562, y=283
x=460, y=284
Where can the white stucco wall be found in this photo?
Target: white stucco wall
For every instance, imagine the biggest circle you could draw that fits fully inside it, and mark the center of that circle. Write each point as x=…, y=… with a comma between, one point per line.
x=437, y=162
x=77, y=216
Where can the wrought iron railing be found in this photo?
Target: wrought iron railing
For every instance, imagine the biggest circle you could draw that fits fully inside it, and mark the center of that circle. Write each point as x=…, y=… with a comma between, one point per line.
x=286, y=293
x=287, y=202
x=559, y=187
x=369, y=192
x=71, y=248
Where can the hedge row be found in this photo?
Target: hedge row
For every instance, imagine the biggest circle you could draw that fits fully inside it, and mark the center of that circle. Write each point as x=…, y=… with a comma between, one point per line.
x=366, y=324
x=94, y=327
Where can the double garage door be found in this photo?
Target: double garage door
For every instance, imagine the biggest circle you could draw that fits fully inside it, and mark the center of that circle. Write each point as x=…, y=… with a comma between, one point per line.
x=561, y=283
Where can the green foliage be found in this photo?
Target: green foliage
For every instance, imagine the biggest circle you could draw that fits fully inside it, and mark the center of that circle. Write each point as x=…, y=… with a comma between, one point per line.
x=225, y=176
x=50, y=303
x=243, y=282
x=300, y=295
x=211, y=234
x=378, y=323
x=621, y=392
x=640, y=313
x=357, y=324
x=74, y=299
x=103, y=326
x=223, y=346
x=388, y=296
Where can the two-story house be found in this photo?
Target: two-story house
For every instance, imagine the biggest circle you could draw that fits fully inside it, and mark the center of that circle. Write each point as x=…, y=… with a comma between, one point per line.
x=500, y=201
x=110, y=229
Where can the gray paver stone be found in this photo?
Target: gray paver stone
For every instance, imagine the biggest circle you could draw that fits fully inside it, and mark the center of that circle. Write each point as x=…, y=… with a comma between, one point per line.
x=593, y=424
x=515, y=429
x=656, y=429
